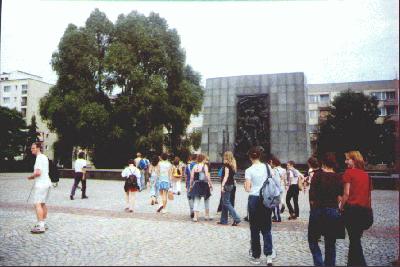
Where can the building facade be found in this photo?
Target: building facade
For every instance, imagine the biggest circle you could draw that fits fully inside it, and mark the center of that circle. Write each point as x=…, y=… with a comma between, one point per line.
x=22, y=91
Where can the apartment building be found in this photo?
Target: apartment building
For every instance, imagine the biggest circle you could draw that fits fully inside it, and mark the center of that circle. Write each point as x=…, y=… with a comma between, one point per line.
x=22, y=91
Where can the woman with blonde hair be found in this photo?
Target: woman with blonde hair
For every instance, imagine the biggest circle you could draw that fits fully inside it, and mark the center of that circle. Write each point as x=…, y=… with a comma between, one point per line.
x=200, y=186
x=227, y=184
x=356, y=205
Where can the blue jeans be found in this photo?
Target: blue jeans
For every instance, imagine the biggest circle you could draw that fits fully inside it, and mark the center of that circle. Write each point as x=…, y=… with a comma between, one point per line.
x=260, y=222
x=142, y=181
x=227, y=207
x=316, y=227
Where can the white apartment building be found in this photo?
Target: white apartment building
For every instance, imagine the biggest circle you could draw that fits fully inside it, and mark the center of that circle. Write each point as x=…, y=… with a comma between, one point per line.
x=22, y=91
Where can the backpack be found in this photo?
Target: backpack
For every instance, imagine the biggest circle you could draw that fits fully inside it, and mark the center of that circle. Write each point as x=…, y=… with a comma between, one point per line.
x=53, y=172
x=270, y=192
x=132, y=181
x=143, y=164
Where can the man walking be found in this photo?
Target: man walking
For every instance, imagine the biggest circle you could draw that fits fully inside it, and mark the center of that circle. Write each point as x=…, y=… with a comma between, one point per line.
x=41, y=187
x=294, y=179
x=80, y=165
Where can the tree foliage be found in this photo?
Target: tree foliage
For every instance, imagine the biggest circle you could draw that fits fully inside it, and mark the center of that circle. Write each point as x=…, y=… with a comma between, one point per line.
x=32, y=136
x=351, y=125
x=12, y=134
x=139, y=60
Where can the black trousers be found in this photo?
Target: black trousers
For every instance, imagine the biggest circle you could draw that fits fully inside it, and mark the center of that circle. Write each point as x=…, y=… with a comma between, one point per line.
x=232, y=199
x=77, y=179
x=293, y=192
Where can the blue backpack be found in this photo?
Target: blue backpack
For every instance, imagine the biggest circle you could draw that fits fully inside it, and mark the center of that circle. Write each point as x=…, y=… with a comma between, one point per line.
x=270, y=192
x=143, y=164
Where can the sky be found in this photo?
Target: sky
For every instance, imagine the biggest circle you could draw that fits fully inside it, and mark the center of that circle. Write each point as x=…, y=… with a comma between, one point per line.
x=330, y=41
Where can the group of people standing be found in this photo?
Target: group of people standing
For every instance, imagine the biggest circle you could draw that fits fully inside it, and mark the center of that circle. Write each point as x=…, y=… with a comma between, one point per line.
x=337, y=201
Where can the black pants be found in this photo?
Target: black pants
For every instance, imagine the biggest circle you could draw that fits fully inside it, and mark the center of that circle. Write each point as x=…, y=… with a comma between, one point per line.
x=77, y=179
x=232, y=199
x=352, y=223
x=293, y=192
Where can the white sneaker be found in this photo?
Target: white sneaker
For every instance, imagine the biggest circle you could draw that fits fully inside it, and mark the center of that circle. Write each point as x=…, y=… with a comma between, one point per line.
x=163, y=211
x=269, y=260
x=255, y=261
x=37, y=229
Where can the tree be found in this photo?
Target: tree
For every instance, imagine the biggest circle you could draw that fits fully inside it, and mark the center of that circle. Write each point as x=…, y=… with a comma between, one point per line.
x=195, y=139
x=351, y=125
x=140, y=62
x=12, y=135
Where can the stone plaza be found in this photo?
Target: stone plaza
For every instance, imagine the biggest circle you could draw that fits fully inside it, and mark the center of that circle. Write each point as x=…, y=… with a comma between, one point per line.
x=97, y=231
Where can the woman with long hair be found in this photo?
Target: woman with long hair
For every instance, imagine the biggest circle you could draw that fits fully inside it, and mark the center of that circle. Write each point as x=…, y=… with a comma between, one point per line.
x=154, y=171
x=227, y=184
x=164, y=181
x=200, y=187
x=356, y=205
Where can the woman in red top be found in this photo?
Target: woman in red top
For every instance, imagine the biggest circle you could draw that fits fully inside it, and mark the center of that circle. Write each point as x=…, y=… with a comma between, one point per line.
x=356, y=199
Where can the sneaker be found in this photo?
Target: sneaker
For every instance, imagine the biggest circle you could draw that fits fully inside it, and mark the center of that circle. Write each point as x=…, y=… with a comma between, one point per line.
x=71, y=197
x=37, y=229
x=255, y=261
x=269, y=260
x=236, y=223
x=283, y=208
x=164, y=211
x=160, y=208
x=192, y=215
x=84, y=197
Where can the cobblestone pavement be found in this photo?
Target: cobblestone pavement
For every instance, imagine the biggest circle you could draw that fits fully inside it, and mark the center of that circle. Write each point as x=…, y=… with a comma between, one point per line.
x=97, y=231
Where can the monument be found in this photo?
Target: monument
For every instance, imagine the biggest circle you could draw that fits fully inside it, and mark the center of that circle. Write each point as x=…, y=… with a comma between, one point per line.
x=269, y=111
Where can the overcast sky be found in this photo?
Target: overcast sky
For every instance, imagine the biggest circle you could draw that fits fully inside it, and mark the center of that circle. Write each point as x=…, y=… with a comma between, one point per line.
x=330, y=41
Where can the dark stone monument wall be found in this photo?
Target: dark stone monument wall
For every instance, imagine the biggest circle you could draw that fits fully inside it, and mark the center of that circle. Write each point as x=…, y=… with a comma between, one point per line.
x=287, y=111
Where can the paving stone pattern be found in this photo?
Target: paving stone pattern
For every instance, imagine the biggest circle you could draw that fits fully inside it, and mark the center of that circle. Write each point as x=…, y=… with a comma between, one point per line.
x=97, y=231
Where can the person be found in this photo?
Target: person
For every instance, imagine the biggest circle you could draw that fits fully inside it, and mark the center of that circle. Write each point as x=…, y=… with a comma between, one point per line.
x=200, y=187
x=131, y=188
x=227, y=184
x=137, y=159
x=356, y=198
x=164, y=181
x=325, y=220
x=154, y=171
x=80, y=165
x=294, y=178
x=189, y=167
x=41, y=188
x=143, y=166
x=177, y=173
x=280, y=172
x=259, y=215
x=313, y=166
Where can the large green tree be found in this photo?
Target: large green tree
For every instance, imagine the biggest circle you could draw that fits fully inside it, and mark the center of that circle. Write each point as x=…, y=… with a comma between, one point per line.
x=351, y=125
x=32, y=136
x=139, y=61
x=12, y=135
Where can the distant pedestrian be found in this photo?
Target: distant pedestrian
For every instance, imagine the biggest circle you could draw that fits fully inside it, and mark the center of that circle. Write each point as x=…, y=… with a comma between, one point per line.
x=325, y=220
x=41, y=187
x=164, y=181
x=132, y=184
x=189, y=167
x=356, y=205
x=201, y=186
x=280, y=172
x=259, y=215
x=154, y=171
x=137, y=159
x=143, y=166
x=177, y=174
x=295, y=178
x=227, y=186
x=80, y=165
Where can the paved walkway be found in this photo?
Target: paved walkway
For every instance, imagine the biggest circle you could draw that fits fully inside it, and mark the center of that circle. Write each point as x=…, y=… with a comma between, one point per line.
x=97, y=231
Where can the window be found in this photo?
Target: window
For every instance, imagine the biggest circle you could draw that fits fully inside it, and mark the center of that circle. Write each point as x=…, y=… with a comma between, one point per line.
x=313, y=114
x=390, y=95
x=23, y=111
x=324, y=98
x=391, y=110
x=7, y=89
x=313, y=98
x=24, y=101
x=6, y=100
x=24, y=90
x=382, y=111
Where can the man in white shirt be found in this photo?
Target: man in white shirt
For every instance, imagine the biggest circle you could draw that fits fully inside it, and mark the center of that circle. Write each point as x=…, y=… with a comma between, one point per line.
x=80, y=165
x=293, y=177
x=41, y=187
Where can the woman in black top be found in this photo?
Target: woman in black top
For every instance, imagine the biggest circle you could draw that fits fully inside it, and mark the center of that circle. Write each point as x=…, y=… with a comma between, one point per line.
x=325, y=194
x=227, y=186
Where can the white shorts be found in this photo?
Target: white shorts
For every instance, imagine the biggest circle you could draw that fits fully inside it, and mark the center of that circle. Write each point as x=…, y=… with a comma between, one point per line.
x=41, y=194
